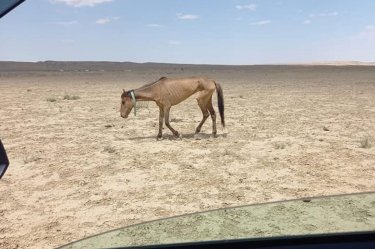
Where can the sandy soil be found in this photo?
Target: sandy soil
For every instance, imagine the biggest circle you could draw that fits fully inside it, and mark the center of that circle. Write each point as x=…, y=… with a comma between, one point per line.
x=78, y=169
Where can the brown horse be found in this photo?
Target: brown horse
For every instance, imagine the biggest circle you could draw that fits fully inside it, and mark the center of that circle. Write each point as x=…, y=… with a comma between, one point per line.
x=167, y=92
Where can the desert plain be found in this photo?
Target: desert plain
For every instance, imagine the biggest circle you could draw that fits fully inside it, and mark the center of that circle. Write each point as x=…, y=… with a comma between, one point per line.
x=77, y=168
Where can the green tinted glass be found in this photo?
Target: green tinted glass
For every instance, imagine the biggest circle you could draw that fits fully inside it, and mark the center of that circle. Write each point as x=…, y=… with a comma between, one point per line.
x=334, y=214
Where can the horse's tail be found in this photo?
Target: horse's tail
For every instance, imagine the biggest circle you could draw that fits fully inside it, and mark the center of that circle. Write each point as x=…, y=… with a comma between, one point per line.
x=220, y=102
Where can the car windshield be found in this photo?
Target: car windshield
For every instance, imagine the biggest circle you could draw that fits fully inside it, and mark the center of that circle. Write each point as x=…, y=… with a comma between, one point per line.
x=115, y=113
x=324, y=215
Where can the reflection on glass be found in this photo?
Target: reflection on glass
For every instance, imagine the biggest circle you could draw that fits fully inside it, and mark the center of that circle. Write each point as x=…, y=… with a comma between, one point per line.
x=335, y=214
x=2, y=169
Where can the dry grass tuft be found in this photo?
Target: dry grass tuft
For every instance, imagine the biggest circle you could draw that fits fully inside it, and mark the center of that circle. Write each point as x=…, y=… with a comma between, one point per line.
x=31, y=159
x=51, y=99
x=279, y=145
x=366, y=142
x=73, y=97
x=109, y=149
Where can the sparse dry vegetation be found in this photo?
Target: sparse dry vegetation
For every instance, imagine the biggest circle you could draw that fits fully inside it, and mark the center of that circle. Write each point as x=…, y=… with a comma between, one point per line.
x=279, y=145
x=50, y=99
x=366, y=142
x=109, y=149
x=275, y=148
x=71, y=97
x=30, y=159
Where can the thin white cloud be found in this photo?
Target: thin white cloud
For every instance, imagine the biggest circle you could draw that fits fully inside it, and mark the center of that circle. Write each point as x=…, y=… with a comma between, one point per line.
x=308, y=21
x=263, y=22
x=186, y=16
x=324, y=14
x=246, y=7
x=330, y=14
x=103, y=20
x=174, y=42
x=154, y=25
x=106, y=20
x=67, y=23
x=81, y=3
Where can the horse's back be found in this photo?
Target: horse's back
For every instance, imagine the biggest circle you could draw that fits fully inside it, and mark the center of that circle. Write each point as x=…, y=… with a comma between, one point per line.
x=191, y=83
x=179, y=89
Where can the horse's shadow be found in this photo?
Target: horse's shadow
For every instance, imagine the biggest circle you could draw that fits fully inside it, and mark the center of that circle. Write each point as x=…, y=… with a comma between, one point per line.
x=190, y=136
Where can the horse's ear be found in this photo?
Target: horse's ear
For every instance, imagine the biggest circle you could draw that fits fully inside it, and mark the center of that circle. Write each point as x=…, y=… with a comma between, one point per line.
x=123, y=95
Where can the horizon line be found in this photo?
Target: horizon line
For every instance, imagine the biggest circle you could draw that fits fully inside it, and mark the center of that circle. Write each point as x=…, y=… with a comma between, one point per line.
x=312, y=63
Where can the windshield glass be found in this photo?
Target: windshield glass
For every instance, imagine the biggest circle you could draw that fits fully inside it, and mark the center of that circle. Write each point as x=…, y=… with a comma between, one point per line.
x=115, y=113
x=323, y=215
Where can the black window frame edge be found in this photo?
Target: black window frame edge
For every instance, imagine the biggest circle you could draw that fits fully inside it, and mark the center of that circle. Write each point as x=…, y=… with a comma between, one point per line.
x=10, y=8
x=3, y=158
x=358, y=240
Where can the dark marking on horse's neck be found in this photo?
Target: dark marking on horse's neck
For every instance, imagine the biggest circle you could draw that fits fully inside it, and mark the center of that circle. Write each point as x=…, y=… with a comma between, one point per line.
x=128, y=93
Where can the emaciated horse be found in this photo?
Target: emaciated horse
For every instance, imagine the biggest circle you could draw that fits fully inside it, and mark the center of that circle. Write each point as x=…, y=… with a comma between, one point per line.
x=167, y=92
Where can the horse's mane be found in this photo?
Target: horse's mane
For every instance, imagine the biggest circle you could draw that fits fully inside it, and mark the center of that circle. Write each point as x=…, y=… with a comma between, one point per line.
x=150, y=84
x=124, y=94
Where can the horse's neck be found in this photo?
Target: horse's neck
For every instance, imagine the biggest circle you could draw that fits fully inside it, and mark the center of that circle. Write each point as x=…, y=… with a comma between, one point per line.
x=146, y=93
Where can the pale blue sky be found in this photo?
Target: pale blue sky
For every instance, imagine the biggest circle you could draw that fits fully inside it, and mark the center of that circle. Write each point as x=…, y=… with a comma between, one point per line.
x=190, y=31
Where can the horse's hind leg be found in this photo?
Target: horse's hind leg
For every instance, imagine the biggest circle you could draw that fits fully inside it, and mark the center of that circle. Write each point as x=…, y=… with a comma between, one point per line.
x=161, y=120
x=213, y=116
x=167, y=122
x=203, y=105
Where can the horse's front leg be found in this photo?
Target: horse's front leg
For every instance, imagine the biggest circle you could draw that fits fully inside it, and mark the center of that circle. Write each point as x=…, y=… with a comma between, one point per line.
x=167, y=122
x=161, y=121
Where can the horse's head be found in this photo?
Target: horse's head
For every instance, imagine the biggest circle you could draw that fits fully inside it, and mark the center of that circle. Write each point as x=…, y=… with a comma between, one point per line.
x=126, y=104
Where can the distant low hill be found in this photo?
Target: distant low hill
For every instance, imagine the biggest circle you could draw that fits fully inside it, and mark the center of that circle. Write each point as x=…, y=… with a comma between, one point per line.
x=8, y=66
x=64, y=66
x=342, y=63
x=82, y=66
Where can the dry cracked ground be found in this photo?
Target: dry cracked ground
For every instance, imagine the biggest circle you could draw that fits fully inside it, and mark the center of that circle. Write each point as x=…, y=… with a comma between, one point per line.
x=77, y=168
